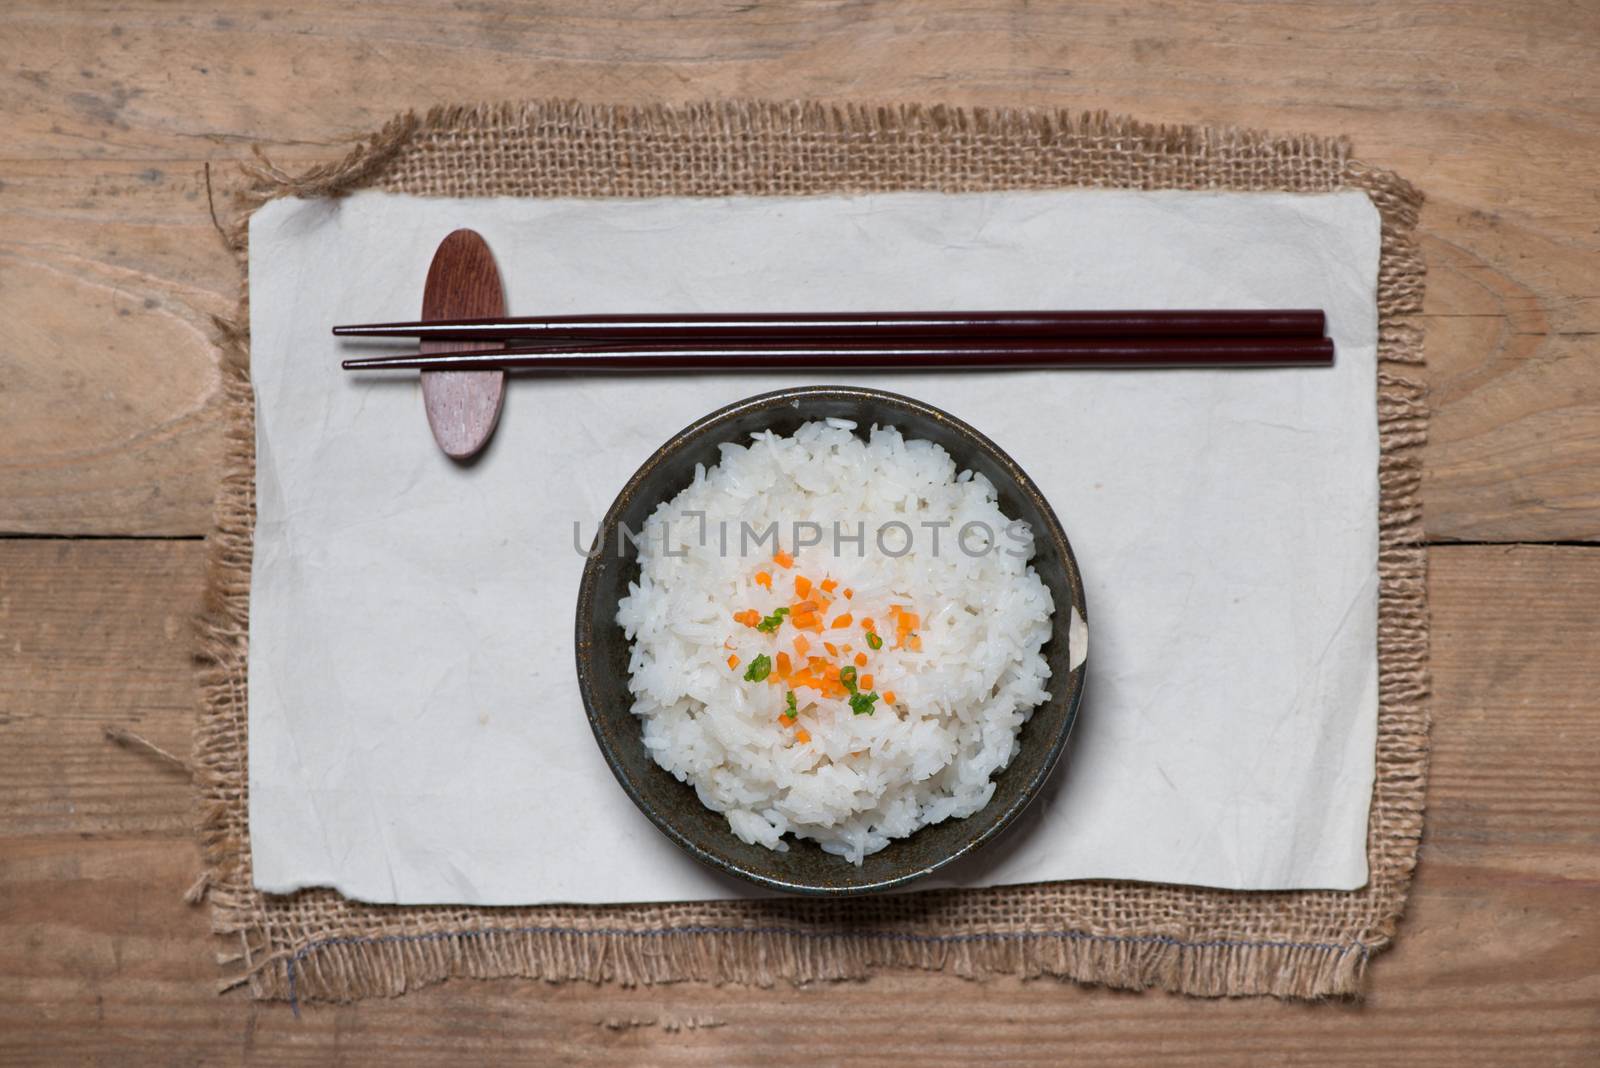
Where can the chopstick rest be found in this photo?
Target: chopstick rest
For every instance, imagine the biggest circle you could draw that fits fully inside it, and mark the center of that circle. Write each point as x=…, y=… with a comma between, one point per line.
x=463, y=406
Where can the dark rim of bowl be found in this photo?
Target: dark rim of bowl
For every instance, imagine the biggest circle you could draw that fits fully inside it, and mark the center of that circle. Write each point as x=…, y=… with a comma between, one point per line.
x=584, y=636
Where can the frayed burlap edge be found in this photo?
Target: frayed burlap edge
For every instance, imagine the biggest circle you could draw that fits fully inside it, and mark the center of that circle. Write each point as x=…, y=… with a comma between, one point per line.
x=1303, y=944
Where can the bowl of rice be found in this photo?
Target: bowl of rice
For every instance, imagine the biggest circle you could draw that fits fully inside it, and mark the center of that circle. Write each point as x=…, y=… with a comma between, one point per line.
x=831, y=639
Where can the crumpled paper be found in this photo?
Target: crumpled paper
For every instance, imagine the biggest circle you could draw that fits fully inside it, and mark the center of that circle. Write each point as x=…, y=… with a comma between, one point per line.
x=416, y=734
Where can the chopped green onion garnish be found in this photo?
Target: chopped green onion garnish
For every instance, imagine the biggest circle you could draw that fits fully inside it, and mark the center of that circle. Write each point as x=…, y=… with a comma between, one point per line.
x=759, y=668
x=772, y=622
x=861, y=703
x=793, y=710
x=873, y=641
x=848, y=677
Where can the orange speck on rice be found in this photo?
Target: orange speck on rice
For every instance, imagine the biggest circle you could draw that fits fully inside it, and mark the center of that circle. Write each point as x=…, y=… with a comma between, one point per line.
x=828, y=585
x=866, y=682
x=861, y=660
x=801, y=644
x=733, y=662
x=802, y=736
x=848, y=593
x=841, y=622
x=802, y=585
x=784, y=666
x=888, y=696
x=764, y=578
x=783, y=559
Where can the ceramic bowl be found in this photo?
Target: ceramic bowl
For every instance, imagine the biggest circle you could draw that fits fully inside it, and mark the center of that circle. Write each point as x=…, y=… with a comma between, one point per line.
x=602, y=648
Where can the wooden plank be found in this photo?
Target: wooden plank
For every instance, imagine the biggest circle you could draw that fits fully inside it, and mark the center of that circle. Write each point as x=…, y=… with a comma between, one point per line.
x=1444, y=80
x=110, y=272
x=1513, y=449
x=109, y=384
x=107, y=422
x=99, y=959
x=96, y=633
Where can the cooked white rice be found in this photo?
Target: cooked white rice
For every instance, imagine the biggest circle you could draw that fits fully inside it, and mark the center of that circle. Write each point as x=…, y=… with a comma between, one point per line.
x=851, y=782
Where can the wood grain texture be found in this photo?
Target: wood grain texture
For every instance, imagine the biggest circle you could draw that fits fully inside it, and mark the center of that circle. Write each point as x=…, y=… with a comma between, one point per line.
x=96, y=633
x=1493, y=109
x=100, y=960
x=109, y=384
x=110, y=269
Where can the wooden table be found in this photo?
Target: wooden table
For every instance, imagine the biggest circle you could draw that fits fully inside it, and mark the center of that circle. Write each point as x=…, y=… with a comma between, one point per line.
x=110, y=270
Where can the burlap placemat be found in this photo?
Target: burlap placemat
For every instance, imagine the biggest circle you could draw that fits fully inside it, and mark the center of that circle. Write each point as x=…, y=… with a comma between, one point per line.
x=317, y=945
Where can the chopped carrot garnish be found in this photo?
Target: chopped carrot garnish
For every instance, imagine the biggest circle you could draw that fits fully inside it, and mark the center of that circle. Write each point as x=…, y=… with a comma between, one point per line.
x=803, y=606
x=802, y=736
x=764, y=578
x=833, y=650
x=828, y=585
x=733, y=663
x=783, y=559
x=888, y=696
x=784, y=667
x=749, y=617
x=801, y=644
x=841, y=622
x=807, y=621
x=861, y=660
x=866, y=682
x=848, y=593
x=802, y=585
x=905, y=627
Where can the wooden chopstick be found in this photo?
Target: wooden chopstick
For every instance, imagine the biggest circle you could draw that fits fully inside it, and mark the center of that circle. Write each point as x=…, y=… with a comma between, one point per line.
x=1018, y=354
x=873, y=326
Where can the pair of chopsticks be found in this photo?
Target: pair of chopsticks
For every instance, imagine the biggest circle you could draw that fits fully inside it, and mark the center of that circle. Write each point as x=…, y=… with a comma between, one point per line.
x=1012, y=340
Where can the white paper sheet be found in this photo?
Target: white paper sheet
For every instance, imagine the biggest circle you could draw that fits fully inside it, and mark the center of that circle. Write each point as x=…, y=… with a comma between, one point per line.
x=415, y=729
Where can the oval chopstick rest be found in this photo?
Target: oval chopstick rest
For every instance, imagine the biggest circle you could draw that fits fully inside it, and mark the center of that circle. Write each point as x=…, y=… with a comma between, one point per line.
x=463, y=406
